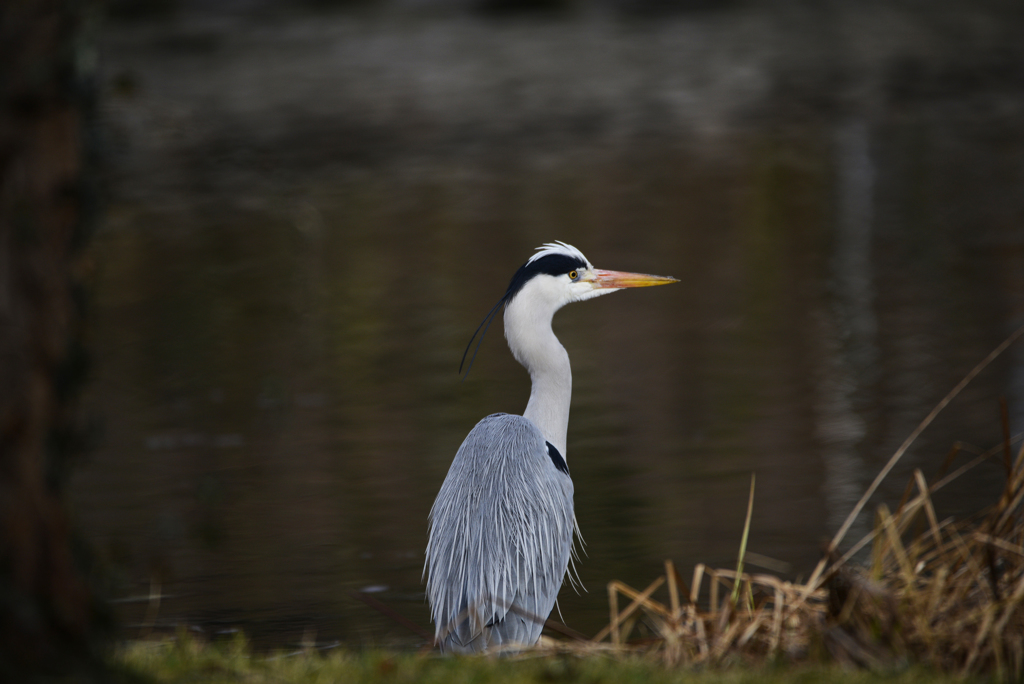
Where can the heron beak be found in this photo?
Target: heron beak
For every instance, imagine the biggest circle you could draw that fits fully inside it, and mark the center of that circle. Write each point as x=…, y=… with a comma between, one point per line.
x=618, y=279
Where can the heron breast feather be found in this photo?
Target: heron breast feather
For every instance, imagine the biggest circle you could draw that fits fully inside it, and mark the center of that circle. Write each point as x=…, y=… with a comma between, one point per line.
x=501, y=530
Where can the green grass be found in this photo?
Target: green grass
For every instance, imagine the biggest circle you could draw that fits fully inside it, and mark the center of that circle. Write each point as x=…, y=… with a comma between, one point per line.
x=184, y=660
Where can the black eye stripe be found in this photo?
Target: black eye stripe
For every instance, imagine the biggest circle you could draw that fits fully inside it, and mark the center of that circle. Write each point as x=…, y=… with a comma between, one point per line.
x=551, y=264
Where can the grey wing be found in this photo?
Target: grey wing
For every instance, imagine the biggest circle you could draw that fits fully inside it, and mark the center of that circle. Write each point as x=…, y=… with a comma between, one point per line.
x=500, y=538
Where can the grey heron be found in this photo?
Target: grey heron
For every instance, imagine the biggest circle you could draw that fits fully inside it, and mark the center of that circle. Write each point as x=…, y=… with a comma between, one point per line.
x=501, y=527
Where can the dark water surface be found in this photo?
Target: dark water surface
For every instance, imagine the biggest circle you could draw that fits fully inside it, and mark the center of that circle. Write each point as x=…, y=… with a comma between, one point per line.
x=309, y=218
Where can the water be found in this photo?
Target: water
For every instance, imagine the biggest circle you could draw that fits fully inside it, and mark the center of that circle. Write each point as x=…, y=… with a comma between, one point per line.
x=307, y=220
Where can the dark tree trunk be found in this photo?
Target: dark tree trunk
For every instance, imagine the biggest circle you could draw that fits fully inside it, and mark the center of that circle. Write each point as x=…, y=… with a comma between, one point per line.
x=47, y=615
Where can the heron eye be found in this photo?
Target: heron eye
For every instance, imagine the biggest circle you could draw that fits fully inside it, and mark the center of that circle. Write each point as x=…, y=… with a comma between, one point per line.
x=573, y=275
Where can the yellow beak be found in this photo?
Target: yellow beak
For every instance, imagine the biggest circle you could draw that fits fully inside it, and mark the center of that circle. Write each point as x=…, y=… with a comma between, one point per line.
x=618, y=279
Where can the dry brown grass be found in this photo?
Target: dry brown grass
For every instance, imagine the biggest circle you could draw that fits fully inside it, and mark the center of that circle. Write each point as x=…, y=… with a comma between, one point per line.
x=942, y=593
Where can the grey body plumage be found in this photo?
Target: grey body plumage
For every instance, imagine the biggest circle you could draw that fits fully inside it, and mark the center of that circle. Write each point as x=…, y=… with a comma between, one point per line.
x=501, y=538
x=501, y=528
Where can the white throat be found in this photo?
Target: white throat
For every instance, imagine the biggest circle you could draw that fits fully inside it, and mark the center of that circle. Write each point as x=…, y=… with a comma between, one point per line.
x=533, y=343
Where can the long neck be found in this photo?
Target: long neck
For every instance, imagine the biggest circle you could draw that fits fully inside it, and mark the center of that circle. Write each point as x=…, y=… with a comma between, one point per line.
x=534, y=345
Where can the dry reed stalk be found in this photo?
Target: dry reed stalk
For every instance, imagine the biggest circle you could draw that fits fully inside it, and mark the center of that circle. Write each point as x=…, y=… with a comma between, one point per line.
x=950, y=595
x=688, y=633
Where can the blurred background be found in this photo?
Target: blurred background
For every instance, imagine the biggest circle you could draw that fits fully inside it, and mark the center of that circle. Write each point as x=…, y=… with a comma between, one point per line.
x=310, y=207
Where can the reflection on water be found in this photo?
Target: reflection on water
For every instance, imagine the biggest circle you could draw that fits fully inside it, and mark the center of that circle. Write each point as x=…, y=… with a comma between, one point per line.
x=280, y=310
x=848, y=334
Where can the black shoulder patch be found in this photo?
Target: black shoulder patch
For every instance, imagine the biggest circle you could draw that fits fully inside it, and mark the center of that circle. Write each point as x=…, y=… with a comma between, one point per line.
x=556, y=458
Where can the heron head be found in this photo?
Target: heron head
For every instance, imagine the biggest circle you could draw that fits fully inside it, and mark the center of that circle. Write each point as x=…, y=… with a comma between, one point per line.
x=559, y=274
x=556, y=275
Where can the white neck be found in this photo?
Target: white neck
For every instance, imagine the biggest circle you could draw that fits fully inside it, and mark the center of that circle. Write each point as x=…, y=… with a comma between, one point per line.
x=533, y=343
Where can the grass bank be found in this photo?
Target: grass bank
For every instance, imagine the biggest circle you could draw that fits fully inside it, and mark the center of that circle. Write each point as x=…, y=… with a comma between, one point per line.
x=184, y=659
